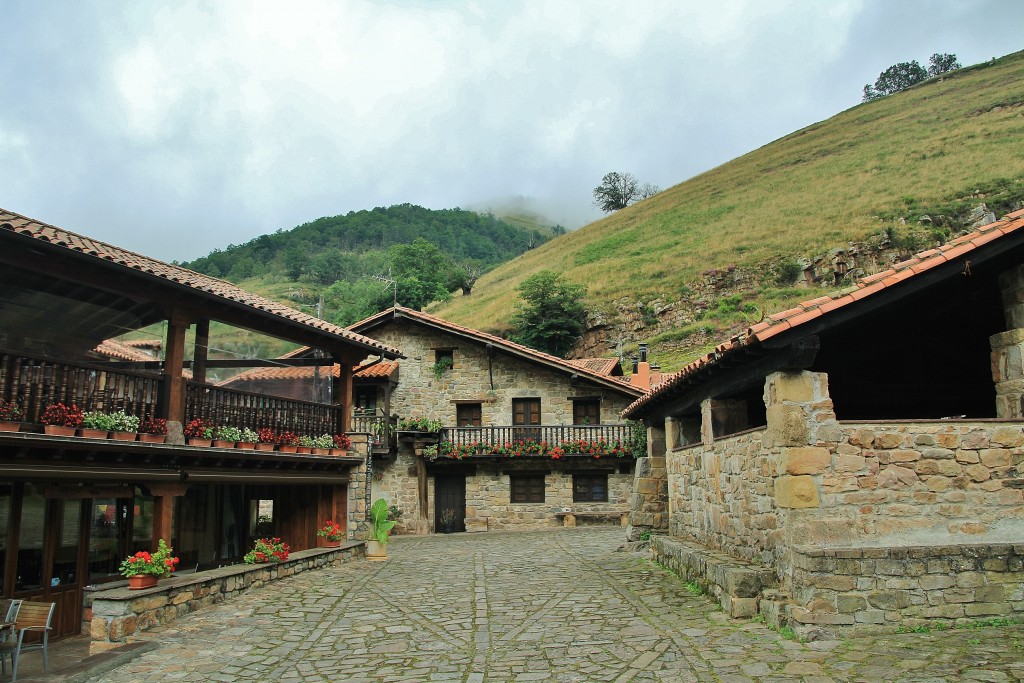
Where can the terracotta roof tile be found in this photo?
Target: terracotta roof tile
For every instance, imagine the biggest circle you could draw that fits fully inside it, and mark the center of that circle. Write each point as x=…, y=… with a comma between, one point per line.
x=172, y=273
x=503, y=344
x=111, y=348
x=286, y=374
x=778, y=323
x=602, y=366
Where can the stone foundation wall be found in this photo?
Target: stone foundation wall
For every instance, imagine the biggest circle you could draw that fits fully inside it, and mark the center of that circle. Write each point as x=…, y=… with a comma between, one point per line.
x=117, y=614
x=396, y=482
x=648, y=500
x=864, y=589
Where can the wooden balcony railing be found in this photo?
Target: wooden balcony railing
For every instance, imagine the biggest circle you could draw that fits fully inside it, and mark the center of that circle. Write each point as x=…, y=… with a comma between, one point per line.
x=34, y=383
x=490, y=440
x=245, y=409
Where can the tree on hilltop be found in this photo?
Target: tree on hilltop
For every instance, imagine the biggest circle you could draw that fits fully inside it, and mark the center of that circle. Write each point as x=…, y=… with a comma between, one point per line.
x=901, y=76
x=942, y=63
x=619, y=190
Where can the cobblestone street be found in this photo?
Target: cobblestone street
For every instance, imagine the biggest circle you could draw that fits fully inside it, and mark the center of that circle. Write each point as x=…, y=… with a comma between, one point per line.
x=542, y=606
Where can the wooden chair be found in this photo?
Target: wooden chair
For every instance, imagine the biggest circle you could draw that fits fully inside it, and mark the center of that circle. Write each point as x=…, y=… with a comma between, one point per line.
x=34, y=617
x=9, y=610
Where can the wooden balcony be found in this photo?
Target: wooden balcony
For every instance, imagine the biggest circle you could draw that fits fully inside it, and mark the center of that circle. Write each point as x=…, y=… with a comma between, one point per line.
x=34, y=383
x=550, y=441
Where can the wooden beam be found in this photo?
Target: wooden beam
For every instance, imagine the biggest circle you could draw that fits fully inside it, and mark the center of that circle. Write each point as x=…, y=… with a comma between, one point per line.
x=174, y=383
x=201, y=350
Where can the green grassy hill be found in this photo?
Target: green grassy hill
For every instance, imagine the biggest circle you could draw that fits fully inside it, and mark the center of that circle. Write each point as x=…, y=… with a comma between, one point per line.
x=873, y=171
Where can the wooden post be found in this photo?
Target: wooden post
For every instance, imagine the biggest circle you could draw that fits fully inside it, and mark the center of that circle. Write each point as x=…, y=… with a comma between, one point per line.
x=173, y=405
x=163, y=509
x=341, y=393
x=201, y=350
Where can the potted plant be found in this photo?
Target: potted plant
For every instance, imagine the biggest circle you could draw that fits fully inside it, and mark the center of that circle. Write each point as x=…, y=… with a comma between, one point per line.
x=323, y=444
x=287, y=442
x=247, y=439
x=61, y=420
x=380, y=431
x=305, y=444
x=266, y=439
x=420, y=424
x=96, y=425
x=199, y=432
x=125, y=426
x=341, y=444
x=10, y=416
x=448, y=521
x=332, y=533
x=377, y=544
x=153, y=430
x=267, y=551
x=143, y=569
x=225, y=436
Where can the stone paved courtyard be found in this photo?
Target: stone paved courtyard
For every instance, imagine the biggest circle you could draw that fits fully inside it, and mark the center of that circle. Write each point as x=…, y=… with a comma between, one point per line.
x=542, y=606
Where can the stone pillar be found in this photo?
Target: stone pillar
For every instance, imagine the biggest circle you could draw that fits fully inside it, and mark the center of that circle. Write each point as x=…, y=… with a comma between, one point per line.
x=721, y=417
x=1008, y=347
x=802, y=427
x=648, y=502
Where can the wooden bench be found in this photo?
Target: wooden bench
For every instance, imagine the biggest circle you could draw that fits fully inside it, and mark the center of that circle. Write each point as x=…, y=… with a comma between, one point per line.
x=569, y=519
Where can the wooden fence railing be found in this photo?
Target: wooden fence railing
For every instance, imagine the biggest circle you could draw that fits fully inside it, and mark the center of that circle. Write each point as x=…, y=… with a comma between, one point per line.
x=34, y=383
x=553, y=435
x=245, y=409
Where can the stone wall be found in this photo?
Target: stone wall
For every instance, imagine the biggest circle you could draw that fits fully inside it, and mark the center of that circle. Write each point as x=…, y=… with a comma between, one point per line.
x=648, y=500
x=117, y=614
x=806, y=484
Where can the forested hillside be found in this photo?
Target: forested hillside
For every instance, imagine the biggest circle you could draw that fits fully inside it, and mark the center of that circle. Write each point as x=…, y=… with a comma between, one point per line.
x=428, y=253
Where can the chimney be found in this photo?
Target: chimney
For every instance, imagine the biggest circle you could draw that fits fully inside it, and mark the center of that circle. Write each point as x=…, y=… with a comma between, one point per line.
x=655, y=375
x=633, y=358
x=641, y=370
x=643, y=353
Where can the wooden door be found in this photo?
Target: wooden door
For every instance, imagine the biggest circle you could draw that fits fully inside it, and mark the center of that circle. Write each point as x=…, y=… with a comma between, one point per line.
x=450, y=494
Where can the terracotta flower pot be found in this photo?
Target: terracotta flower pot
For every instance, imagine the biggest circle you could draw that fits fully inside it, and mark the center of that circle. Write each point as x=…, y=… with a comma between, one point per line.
x=58, y=430
x=330, y=544
x=283, y=448
x=152, y=438
x=6, y=426
x=141, y=581
x=123, y=436
x=90, y=433
x=221, y=443
x=203, y=443
x=304, y=449
x=321, y=451
x=245, y=445
x=264, y=447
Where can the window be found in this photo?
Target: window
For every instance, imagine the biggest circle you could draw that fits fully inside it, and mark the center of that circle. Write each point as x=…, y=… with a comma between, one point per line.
x=527, y=488
x=468, y=415
x=586, y=411
x=366, y=400
x=525, y=411
x=590, y=487
x=444, y=360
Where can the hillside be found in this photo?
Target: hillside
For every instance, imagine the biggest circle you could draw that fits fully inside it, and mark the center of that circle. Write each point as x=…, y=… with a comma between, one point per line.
x=754, y=235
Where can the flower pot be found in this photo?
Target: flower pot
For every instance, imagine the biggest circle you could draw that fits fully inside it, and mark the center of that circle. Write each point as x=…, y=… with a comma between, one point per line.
x=283, y=448
x=304, y=449
x=58, y=430
x=321, y=451
x=90, y=433
x=123, y=436
x=6, y=426
x=152, y=438
x=141, y=581
x=330, y=544
x=245, y=445
x=336, y=451
x=221, y=443
x=264, y=447
x=203, y=443
x=376, y=551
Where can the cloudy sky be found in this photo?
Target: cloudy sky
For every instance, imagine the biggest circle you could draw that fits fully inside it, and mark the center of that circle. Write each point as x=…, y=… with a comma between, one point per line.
x=173, y=128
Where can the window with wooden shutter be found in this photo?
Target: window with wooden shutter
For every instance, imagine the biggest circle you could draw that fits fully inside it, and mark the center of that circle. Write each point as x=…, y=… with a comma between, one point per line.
x=590, y=487
x=525, y=411
x=527, y=488
x=586, y=411
x=468, y=415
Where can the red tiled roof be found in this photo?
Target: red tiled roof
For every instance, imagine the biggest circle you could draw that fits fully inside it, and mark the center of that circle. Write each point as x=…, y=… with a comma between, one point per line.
x=282, y=374
x=143, y=343
x=503, y=344
x=807, y=311
x=602, y=366
x=121, y=351
x=175, y=274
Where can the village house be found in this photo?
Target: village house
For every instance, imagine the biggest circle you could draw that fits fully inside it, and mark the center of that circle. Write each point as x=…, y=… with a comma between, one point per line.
x=495, y=435
x=854, y=463
x=71, y=508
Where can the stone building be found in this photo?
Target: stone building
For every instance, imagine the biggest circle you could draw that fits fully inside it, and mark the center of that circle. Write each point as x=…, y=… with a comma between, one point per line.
x=855, y=462
x=527, y=440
